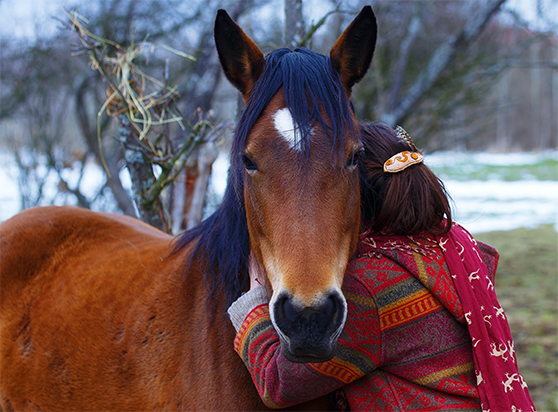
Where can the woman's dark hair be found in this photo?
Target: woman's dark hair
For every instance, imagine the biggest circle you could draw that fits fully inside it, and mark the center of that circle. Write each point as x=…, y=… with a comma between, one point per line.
x=408, y=202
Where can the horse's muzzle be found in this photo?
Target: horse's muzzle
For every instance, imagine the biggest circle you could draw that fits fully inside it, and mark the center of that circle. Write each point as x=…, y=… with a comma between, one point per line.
x=309, y=333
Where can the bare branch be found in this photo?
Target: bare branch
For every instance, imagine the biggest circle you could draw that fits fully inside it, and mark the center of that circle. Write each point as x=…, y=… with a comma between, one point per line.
x=315, y=27
x=113, y=182
x=439, y=61
x=512, y=61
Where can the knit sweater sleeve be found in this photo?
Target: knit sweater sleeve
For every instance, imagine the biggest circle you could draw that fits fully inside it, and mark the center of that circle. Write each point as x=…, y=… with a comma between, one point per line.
x=245, y=304
x=282, y=383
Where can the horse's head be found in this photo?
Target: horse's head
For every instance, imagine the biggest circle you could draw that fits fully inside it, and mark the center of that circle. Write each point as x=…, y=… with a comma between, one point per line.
x=295, y=152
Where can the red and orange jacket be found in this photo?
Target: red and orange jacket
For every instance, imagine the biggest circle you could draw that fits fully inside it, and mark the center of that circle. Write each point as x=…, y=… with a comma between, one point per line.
x=405, y=345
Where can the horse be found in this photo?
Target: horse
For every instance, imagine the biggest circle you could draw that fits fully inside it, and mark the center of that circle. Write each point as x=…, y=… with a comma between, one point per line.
x=100, y=311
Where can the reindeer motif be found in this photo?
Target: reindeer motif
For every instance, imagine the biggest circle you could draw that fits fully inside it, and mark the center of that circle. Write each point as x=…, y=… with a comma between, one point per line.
x=523, y=383
x=462, y=249
x=511, y=349
x=499, y=312
x=490, y=284
x=509, y=380
x=479, y=378
x=500, y=351
x=471, y=277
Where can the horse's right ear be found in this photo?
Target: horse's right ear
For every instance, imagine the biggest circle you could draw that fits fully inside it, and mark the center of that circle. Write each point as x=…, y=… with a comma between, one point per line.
x=240, y=57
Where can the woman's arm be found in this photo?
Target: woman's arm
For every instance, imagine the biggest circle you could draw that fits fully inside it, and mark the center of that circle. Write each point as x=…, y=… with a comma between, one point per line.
x=282, y=383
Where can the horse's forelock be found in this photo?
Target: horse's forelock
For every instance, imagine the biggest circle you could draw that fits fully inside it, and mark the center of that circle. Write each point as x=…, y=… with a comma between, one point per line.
x=305, y=77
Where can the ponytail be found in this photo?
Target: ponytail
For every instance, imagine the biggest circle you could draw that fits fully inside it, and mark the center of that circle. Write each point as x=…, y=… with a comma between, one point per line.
x=408, y=202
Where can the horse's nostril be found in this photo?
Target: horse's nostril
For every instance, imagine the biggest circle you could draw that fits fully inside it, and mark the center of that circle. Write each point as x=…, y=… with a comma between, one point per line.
x=329, y=307
x=323, y=313
x=290, y=311
x=309, y=333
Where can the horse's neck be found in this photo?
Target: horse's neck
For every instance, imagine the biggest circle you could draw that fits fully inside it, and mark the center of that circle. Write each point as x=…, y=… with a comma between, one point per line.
x=203, y=300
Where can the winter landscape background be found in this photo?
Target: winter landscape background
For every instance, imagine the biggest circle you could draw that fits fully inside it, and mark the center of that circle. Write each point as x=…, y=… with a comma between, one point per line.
x=490, y=191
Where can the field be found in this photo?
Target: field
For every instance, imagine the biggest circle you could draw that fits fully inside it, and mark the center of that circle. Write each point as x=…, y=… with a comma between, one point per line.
x=527, y=288
x=500, y=191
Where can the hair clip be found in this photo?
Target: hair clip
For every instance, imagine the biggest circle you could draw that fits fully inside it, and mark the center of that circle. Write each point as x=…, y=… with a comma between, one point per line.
x=403, y=160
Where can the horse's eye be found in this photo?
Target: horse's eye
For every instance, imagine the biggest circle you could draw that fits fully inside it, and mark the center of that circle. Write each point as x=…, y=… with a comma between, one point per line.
x=248, y=164
x=352, y=163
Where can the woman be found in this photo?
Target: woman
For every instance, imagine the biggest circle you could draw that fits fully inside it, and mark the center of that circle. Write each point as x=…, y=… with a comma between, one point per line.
x=424, y=330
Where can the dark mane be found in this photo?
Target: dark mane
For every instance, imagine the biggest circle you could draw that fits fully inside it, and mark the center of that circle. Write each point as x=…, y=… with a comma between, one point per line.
x=310, y=84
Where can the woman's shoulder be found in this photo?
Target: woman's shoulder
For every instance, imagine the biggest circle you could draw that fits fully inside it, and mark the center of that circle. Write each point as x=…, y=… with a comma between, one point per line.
x=372, y=271
x=488, y=253
x=400, y=266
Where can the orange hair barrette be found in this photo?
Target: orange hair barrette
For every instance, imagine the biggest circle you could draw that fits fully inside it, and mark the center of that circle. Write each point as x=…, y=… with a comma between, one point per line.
x=403, y=160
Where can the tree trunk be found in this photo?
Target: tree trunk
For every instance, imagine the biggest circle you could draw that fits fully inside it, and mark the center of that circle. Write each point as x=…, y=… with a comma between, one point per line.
x=294, y=23
x=502, y=134
x=207, y=72
x=399, y=75
x=141, y=172
x=554, y=92
x=535, y=94
x=203, y=166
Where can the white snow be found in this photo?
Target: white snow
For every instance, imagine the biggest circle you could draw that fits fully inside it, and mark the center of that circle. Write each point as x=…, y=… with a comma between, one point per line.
x=484, y=206
x=9, y=192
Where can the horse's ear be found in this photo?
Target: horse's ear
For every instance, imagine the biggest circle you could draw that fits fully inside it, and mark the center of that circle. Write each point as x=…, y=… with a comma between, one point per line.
x=352, y=53
x=240, y=57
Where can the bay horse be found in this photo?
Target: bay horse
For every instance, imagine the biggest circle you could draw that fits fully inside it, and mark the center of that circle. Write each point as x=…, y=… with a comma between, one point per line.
x=102, y=312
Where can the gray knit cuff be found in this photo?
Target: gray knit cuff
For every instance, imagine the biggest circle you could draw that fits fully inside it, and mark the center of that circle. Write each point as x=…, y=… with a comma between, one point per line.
x=245, y=304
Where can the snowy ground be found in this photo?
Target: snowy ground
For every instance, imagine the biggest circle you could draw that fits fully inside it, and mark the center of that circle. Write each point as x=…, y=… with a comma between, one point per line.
x=482, y=203
x=484, y=206
x=487, y=202
x=9, y=191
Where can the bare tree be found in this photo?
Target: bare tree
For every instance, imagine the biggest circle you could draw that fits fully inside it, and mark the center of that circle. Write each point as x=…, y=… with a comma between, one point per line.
x=72, y=88
x=435, y=70
x=439, y=61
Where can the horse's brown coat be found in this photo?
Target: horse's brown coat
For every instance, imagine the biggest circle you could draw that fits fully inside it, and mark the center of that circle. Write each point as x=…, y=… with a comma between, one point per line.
x=95, y=315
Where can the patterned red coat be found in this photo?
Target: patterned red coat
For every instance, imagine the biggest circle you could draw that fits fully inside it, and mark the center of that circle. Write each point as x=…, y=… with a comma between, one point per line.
x=405, y=345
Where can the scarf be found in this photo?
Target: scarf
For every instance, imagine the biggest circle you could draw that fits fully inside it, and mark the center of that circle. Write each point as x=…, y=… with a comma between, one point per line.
x=501, y=387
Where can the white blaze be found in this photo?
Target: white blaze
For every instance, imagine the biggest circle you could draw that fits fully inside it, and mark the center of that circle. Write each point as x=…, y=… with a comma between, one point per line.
x=286, y=128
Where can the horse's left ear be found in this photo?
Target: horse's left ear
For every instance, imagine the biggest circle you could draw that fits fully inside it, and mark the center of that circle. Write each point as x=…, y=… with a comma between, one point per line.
x=352, y=53
x=241, y=59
